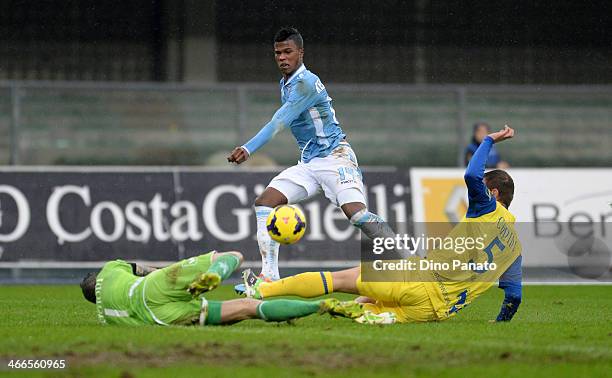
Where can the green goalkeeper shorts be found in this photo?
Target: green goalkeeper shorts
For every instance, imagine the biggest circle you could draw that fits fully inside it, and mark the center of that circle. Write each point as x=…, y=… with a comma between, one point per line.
x=166, y=291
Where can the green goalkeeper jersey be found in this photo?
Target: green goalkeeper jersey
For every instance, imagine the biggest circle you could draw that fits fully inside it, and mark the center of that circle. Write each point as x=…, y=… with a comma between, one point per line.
x=119, y=295
x=160, y=297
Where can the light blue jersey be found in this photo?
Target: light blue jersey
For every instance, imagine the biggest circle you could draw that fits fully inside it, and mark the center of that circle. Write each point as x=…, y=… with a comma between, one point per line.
x=307, y=110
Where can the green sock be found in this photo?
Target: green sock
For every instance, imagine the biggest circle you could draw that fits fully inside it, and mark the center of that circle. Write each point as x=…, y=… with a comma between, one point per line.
x=224, y=265
x=214, y=313
x=284, y=309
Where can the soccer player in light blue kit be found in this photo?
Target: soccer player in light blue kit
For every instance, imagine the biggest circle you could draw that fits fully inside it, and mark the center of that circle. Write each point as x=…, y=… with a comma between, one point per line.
x=327, y=161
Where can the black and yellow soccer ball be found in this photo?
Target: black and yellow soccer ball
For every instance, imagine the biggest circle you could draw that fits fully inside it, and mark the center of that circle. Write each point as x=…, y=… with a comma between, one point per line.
x=286, y=224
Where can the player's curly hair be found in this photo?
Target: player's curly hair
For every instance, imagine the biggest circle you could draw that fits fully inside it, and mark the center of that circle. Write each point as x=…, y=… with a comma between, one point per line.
x=289, y=33
x=501, y=180
x=88, y=286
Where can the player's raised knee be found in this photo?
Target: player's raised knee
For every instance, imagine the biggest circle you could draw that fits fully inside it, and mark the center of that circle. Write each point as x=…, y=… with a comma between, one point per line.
x=271, y=198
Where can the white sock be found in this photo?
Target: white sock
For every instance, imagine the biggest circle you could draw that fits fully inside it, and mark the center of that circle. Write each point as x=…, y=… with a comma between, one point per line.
x=267, y=247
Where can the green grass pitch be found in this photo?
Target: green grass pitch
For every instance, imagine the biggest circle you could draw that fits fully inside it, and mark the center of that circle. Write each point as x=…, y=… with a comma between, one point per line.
x=558, y=331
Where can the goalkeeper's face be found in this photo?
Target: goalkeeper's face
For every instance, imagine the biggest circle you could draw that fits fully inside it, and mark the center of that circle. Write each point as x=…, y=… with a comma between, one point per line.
x=288, y=57
x=88, y=287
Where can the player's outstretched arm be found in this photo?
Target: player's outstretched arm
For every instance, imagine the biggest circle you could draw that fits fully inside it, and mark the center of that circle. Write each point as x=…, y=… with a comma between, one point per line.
x=302, y=97
x=476, y=166
x=474, y=174
x=477, y=191
x=241, y=154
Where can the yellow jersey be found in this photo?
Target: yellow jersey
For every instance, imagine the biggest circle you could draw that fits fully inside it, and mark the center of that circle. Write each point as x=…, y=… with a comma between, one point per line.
x=469, y=276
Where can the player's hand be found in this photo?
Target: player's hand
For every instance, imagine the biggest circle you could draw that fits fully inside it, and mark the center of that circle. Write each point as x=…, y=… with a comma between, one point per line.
x=503, y=134
x=238, y=156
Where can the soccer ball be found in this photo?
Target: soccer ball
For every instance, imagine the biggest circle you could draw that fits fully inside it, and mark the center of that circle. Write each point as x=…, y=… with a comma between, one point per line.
x=286, y=224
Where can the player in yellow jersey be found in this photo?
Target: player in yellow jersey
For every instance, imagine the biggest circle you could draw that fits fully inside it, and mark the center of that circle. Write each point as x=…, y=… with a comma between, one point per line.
x=432, y=294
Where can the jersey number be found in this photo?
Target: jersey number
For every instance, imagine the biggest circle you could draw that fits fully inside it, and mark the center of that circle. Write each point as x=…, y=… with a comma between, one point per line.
x=461, y=298
x=349, y=173
x=489, y=251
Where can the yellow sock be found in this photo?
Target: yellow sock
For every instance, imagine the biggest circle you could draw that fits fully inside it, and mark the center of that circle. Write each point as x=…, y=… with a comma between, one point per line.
x=305, y=285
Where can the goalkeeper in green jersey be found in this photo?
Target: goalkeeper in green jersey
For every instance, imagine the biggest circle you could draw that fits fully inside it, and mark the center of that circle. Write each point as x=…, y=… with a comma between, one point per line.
x=131, y=294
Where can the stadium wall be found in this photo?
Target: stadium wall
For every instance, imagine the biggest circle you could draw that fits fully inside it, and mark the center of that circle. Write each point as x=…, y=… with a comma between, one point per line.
x=78, y=123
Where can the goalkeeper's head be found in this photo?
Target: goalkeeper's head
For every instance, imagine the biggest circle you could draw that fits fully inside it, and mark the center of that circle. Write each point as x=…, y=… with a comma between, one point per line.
x=88, y=286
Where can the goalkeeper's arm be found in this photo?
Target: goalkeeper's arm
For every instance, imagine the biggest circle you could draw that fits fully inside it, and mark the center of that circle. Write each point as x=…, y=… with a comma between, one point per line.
x=511, y=283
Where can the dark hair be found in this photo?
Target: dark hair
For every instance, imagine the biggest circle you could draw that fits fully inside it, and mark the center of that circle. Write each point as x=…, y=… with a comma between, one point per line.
x=475, y=127
x=501, y=180
x=286, y=33
x=88, y=286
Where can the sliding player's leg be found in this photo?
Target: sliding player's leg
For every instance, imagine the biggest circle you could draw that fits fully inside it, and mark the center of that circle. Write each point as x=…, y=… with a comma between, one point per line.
x=176, y=312
x=407, y=300
x=203, y=312
x=229, y=312
x=305, y=285
x=292, y=185
x=387, y=302
x=378, y=303
x=190, y=277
